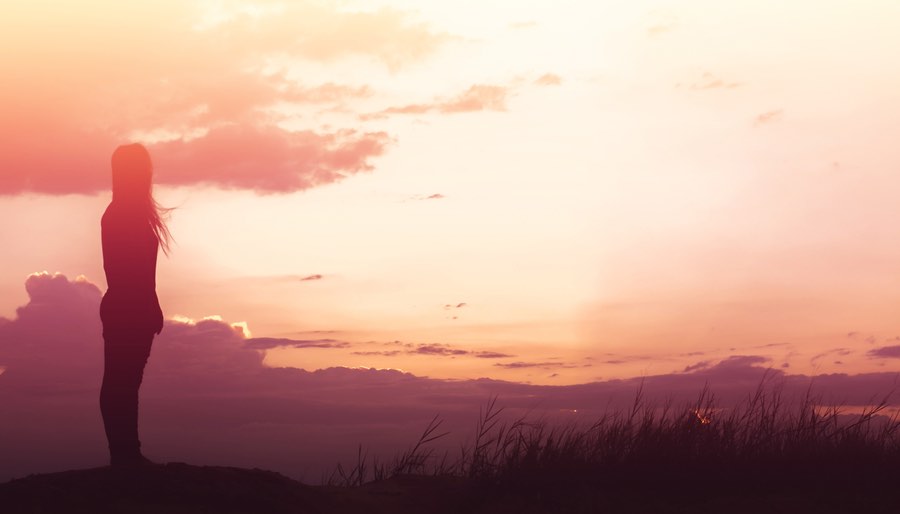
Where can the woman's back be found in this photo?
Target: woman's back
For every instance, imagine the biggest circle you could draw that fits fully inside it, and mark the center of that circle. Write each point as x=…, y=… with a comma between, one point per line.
x=129, y=259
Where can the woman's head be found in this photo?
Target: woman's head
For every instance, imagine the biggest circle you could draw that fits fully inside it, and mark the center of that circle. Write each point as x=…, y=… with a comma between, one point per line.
x=132, y=173
x=132, y=185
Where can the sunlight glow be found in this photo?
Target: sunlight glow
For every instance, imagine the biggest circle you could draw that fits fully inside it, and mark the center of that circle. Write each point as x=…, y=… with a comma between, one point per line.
x=178, y=318
x=241, y=328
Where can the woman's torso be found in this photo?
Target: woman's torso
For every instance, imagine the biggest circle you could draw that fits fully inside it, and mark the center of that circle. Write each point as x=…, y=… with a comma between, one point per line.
x=130, y=249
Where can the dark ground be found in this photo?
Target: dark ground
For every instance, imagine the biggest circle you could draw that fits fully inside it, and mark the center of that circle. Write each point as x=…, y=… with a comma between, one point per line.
x=177, y=488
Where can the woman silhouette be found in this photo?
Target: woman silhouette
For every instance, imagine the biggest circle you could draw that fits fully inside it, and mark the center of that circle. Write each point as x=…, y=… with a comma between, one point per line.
x=132, y=231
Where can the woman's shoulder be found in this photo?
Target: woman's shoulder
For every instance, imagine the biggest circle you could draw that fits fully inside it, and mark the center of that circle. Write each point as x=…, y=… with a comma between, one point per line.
x=118, y=216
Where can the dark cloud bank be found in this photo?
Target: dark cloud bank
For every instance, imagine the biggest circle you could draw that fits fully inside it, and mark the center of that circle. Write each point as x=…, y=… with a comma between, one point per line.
x=208, y=399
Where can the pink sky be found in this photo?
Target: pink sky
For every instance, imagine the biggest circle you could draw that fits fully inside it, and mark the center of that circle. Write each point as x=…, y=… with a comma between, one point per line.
x=548, y=192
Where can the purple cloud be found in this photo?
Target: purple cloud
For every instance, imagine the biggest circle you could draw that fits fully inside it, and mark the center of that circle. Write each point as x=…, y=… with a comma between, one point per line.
x=885, y=352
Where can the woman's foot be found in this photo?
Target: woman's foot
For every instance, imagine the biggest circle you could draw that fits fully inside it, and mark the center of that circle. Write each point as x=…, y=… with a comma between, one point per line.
x=137, y=461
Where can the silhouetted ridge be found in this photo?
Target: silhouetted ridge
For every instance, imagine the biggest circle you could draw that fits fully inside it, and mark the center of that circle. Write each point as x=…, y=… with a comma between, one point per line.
x=173, y=488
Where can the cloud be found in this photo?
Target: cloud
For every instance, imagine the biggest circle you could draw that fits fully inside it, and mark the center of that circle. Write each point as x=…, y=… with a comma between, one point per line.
x=267, y=343
x=885, y=352
x=435, y=196
x=266, y=159
x=697, y=366
x=54, y=334
x=321, y=33
x=771, y=345
x=624, y=359
x=205, y=85
x=709, y=81
x=478, y=97
x=313, y=277
x=833, y=351
x=656, y=30
x=492, y=355
x=328, y=92
x=737, y=363
x=743, y=361
x=383, y=353
x=768, y=117
x=435, y=350
x=548, y=79
x=519, y=365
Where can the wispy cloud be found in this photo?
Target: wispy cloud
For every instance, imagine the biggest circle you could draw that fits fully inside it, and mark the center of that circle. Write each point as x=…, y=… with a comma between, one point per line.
x=491, y=355
x=267, y=343
x=548, y=79
x=709, y=81
x=437, y=349
x=478, y=97
x=885, y=352
x=383, y=353
x=433, y=196
x=434, y=350
x=840, y=352
x=768, y=117
x=697, y=366
x=659, y=29
x=732, y=362
x=539, y=364
x=520, y=364
x=624, y=359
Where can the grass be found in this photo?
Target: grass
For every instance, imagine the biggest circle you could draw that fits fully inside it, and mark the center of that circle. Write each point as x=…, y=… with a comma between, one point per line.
x=768, y=444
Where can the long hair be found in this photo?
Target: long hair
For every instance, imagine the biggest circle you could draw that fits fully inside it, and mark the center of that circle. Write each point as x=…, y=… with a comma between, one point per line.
x=132, y=184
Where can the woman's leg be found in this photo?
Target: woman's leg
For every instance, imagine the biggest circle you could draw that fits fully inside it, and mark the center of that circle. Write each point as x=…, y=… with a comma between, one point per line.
x=125, y=355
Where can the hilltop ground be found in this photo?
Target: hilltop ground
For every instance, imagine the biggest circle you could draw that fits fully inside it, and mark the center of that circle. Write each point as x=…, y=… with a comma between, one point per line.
x=177, y=488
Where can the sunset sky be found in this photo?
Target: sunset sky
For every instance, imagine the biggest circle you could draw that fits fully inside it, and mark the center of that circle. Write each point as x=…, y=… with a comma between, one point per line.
x=552, y=192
